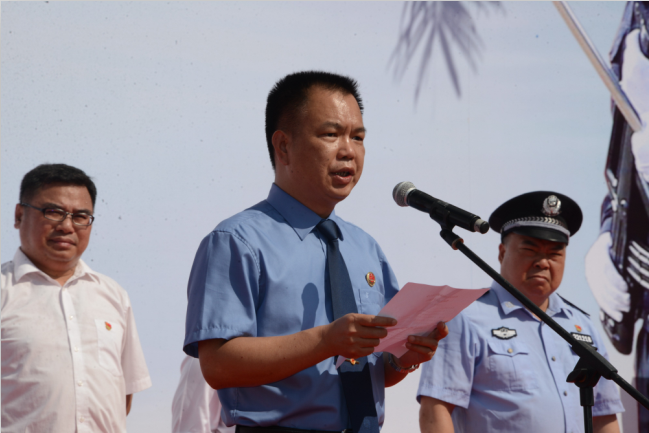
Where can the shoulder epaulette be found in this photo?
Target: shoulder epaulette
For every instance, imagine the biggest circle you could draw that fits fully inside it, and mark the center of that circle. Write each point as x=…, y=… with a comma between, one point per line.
x=573, y=305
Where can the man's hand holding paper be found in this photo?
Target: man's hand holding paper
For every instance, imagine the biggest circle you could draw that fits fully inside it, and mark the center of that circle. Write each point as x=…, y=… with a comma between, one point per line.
x=421, y=312
x=422, y=348
x=355, y=335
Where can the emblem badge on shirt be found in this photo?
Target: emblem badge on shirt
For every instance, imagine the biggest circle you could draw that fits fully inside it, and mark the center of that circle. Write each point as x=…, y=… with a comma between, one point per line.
x=583, y=337
x=370, y=278
x=352, y=361
x=578, y=328
x=108, y=326
x=504, y=333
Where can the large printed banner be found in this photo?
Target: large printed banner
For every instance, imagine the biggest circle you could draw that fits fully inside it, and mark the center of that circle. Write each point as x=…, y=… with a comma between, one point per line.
x=162, y=104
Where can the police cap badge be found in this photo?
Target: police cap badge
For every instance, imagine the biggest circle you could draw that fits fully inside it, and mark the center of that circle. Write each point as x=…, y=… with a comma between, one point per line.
x=541, y=214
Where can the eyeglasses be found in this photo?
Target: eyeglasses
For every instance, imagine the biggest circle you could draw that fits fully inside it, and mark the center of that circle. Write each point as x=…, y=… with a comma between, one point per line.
x=80, y=219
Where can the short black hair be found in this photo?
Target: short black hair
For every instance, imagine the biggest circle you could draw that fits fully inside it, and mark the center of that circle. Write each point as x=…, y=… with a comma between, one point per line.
x=47, y=174
x=291, y=92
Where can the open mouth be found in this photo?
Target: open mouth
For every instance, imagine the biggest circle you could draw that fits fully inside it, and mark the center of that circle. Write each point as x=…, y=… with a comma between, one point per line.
x=343, y=177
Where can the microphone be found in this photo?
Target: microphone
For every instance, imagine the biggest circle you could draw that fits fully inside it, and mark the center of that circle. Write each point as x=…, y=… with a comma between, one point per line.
x=405, y=194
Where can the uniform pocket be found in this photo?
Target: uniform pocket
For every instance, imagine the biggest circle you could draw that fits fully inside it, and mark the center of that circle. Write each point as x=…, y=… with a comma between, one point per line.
x=109, y=345
x=371, y=301
x=509, y=365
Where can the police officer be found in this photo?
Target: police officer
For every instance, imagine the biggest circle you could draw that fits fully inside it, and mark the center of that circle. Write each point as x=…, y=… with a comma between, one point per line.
x=502, y=369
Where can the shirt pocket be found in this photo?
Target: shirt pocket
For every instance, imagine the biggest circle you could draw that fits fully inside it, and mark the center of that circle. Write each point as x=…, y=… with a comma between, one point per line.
x=371, y=301
x=510, y=365
x=109, y=345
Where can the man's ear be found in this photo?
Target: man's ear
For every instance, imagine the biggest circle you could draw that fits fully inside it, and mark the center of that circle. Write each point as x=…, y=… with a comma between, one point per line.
x=501, y=252
x=281, y=141
x=18, y=215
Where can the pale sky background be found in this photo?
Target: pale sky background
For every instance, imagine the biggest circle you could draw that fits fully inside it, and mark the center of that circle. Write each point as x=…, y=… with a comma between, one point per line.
x=163, y=103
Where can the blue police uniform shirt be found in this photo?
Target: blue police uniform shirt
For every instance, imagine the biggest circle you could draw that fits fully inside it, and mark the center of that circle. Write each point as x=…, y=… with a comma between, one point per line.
x=506, y=371
x=261, y=273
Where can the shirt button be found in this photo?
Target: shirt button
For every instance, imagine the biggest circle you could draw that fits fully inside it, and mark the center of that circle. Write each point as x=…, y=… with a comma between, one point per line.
x=565, y=392
x=80, y=383
x=76, y=349
x=82, y=419
x=509, y=350
x=71, y=317
x=554, y=359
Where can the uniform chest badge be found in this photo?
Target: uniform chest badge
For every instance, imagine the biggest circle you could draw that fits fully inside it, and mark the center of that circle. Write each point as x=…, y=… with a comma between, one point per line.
x=578, y=328
x=583, y=337
x=504, y=333
x=108, y=326
x=352, y=361
x=551, y=206
x=370, y=278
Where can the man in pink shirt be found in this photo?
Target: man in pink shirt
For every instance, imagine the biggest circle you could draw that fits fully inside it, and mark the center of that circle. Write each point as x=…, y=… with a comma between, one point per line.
x=71, y=356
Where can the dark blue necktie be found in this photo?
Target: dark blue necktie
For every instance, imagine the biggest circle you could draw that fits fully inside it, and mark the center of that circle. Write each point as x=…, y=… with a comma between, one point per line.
x=356, y=378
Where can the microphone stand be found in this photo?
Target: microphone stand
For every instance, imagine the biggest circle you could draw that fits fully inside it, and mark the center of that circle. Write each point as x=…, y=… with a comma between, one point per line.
x=591, y=365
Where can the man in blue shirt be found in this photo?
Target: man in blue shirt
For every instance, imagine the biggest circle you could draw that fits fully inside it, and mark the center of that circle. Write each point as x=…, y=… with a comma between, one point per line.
x=502, y=369
x=263, y=290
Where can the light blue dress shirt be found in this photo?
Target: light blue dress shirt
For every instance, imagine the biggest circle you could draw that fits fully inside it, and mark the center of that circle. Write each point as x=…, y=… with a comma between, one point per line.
x=515, y=384
x=261, y=273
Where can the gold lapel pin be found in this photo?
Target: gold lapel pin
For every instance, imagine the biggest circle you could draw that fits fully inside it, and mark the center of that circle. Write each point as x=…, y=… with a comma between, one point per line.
x=370, y=278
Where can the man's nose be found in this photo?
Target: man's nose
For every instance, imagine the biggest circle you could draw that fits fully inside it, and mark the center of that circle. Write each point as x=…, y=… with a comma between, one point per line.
x=543, y=263
x=346, y=149
x=66, y=225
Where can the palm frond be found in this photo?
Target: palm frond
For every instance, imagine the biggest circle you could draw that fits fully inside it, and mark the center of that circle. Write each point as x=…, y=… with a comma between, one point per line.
x=452, y=23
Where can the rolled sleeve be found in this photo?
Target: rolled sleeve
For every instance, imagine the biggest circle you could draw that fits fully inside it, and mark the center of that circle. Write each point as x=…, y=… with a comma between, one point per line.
x=448, y=376
x=607, y=394
x=223, y=291
x=136, y=374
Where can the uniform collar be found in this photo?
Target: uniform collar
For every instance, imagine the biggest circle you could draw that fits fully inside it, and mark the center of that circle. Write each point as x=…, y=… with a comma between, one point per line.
x=301, y=218
x=558, y=305
x=24, y=266
x=509, y=304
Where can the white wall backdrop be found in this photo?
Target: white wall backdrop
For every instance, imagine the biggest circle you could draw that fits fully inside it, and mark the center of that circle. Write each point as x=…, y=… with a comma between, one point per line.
x=162, y=104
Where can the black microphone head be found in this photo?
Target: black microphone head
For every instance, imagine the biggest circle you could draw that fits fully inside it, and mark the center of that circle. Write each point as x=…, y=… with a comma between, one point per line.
x=481, y=226
x=401, y=191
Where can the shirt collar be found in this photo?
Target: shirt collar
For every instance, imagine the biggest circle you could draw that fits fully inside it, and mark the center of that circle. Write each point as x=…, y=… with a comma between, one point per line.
x=557, y=305
x=24, y=266
x=508, y=303
x=301, y=218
